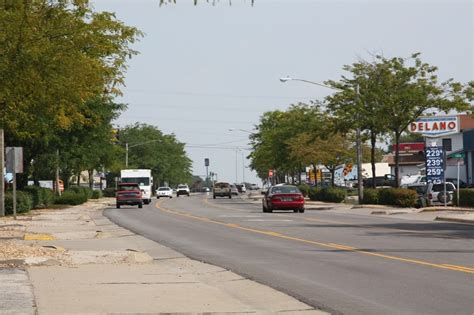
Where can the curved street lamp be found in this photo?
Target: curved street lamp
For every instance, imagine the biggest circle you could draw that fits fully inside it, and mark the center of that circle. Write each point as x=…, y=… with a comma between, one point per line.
x=360, y=188
x=135, y=145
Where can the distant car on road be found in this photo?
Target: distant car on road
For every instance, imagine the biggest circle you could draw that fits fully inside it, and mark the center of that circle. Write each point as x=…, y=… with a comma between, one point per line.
x=283, y=197
x=241, y=188
x=254, y=187
x=221, y=189
x=164, y=192
x=234, y=190
x=182, y=189
x=128, y=194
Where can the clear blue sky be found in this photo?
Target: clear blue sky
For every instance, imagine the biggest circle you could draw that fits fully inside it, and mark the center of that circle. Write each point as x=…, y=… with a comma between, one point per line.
x=205, y=69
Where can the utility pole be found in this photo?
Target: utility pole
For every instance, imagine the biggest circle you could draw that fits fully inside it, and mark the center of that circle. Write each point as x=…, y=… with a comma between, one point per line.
x=2, y=175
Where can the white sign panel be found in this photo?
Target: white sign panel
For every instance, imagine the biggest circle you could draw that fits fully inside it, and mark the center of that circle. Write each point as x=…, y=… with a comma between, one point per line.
x=14, y=159
x=435, y=126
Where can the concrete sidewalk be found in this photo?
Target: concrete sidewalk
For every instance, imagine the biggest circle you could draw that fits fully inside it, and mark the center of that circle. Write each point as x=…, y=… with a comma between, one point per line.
x=75, y=261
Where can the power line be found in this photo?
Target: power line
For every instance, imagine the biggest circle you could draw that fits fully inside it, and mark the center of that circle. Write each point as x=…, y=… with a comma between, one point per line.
x=184, y=93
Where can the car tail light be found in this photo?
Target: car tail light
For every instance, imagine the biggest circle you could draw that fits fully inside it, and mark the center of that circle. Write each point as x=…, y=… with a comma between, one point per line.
x=274, y=198
x=298, y=198
x=430, y=196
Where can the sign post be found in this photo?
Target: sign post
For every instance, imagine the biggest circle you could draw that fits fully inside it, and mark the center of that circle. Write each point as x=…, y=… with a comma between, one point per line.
x=206, y=164
x=14, y=166
x=459, y=157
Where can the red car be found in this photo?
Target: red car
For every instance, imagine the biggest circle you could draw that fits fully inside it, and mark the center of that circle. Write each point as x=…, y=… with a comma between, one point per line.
x=283, y=197
x=129, y=194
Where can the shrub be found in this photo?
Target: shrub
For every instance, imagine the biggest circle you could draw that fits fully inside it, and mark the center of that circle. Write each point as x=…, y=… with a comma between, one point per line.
x=371, y=196
x=466, y=198
x=328, y=194
x=24, y=202
x=96, y=194
x=71, y=197
x=304, y=188
x=398, y=197
x=48, y=197
x=109, y=192
x=41, y=197
x=86, y=191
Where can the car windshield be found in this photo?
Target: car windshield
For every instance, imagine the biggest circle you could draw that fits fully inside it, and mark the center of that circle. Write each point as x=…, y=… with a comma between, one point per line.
x=285, y=190
x=164, y=189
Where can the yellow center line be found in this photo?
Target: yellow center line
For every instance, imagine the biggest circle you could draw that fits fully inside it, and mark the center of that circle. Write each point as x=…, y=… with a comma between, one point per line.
x=206, y=201
x=327, y=245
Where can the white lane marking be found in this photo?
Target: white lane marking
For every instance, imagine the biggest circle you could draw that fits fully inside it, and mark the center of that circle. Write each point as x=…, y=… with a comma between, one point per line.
x=268, y=220
x=239, y=216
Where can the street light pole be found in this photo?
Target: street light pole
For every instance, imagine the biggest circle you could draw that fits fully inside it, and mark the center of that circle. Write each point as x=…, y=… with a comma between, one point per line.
x=243, y=169
x=236, y=167
x=360, y=188
x=126, y=154
x=135, y=145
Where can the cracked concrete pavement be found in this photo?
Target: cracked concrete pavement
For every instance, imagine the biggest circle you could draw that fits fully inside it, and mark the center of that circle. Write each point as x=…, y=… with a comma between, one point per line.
x=75, y=261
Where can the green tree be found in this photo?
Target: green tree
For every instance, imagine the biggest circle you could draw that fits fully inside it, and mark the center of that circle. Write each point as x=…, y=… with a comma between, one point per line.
x=329, y=150
x=55, y=56
x=396, y=91
x=149, y=148
x=270, y=142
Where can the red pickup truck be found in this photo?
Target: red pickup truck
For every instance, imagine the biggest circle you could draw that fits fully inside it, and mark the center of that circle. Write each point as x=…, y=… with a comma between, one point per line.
x=129, y=194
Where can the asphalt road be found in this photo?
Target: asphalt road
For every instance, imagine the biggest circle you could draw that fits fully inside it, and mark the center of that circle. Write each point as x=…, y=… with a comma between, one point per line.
x=341, y=263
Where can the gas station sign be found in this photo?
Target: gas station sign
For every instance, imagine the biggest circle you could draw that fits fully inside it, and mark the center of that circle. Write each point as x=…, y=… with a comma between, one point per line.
x=434, y=162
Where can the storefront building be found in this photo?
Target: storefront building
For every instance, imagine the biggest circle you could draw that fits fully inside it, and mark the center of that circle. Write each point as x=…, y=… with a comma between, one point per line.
x=455, y=133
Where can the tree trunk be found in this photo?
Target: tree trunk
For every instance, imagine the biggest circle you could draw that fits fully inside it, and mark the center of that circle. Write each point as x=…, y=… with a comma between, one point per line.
x=397, y=158
x=91, y=178
x=332, y=170
x=373, y=140
x=315, y=177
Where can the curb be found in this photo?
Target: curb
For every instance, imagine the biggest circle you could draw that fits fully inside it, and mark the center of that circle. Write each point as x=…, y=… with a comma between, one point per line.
x=458, y=220
x=432, y=209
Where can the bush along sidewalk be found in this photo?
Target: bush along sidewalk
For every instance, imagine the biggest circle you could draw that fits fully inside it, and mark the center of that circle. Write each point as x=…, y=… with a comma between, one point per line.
x=24, y=202
x=35, y=197
x=327, y=194
x=304, y=188
x=401, y=197
x=466, y=198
